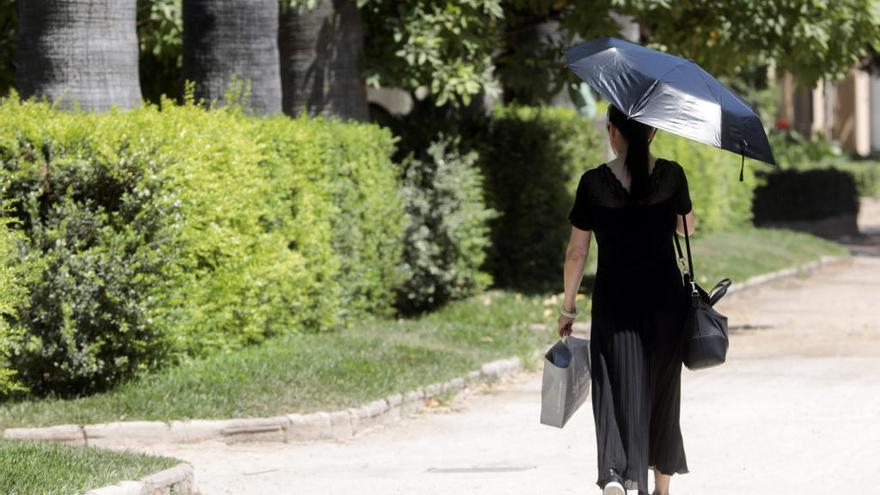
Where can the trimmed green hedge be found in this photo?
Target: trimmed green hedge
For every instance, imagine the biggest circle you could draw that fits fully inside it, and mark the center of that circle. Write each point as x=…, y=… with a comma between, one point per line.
x=532, y=159
x=796, y=152
x=343, y=193
x=804, y=195
x=159, y=233
x=866, y=173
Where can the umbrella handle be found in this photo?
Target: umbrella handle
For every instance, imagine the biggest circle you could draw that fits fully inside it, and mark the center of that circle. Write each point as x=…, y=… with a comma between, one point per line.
x=742, y=166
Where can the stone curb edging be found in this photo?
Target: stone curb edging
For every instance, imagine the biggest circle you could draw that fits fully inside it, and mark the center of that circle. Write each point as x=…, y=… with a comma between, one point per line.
x=322, y=425
x=787, y=272
x=176, y=480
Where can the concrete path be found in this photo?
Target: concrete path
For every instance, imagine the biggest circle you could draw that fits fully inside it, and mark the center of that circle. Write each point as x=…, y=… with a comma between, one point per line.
x=795, y=410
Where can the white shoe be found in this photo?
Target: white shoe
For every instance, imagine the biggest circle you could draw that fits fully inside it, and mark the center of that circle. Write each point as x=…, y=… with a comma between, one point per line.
x=613, y=488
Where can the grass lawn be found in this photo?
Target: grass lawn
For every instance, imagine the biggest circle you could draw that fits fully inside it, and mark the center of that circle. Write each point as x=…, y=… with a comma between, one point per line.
x=304, y=373
x=44, y=468
x=312, y=371
x=743, y=254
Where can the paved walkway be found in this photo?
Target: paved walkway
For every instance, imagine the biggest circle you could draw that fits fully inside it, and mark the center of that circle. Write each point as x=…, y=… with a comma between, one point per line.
x=795, y=410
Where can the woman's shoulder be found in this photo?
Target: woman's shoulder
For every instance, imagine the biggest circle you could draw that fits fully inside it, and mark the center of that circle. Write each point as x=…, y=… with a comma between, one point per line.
x=675, y=168
x=593, y=172
x=588, y=176
x=671, y=163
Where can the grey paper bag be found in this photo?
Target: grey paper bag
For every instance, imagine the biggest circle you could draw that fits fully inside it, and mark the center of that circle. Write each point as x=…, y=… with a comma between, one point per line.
x=566, y=380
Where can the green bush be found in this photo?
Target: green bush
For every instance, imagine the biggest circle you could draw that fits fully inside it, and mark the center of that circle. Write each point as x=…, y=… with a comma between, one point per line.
x=532, y=159
x=794, y=150
x=13, y=293
x=721, y=201
x=227, y=285
x=341, y=195
x=160, y=233
x=804, y=195
x=96, y=226
x=866, y=174
x=447, y=235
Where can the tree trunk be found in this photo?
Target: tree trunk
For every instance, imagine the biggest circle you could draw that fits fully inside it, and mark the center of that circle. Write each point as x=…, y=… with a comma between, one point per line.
x=225, y=41
x=320, y=58
x=79, y=50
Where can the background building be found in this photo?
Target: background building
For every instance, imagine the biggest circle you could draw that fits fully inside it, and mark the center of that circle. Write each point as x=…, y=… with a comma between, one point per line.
x=847, y=111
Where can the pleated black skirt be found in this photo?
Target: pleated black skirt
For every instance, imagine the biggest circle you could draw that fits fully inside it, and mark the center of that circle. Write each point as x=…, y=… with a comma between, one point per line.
x=636, y=394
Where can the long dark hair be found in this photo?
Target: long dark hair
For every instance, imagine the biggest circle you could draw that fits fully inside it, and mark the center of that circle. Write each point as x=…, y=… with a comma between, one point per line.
x=636, y=161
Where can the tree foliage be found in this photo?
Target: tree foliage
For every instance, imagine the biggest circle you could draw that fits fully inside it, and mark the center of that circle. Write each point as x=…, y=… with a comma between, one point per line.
x=536, y=32
x=461, y=49
x=160, y=34
x=446, y=46
x=813, y=39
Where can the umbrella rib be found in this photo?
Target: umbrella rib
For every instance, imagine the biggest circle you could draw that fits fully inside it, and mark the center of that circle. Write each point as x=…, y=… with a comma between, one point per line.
x=650, y=90
x=712, y=90
x=727, y=91
x=639, y=104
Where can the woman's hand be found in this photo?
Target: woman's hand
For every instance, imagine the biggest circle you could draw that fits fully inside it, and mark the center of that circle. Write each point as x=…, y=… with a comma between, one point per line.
x=565, y=324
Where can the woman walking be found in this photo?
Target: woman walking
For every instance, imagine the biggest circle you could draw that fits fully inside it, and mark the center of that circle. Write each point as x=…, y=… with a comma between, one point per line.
x=634, y=204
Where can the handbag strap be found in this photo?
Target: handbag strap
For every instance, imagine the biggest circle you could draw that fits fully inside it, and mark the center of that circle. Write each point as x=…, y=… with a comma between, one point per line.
x=687, y=243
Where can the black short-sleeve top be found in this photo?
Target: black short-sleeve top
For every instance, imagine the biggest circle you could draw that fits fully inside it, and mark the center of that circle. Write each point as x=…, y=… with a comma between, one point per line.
x=634, y=236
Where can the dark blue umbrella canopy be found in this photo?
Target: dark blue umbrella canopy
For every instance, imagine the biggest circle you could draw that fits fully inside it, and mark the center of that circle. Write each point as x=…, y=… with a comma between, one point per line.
x=670, y=93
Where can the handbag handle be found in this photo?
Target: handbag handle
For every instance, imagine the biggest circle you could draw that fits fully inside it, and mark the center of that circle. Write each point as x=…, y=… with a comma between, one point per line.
x=718, y=291
x=689, y=273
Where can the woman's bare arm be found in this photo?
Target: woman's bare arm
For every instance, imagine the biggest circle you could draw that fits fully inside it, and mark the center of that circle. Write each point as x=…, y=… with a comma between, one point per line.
x=575, y=260
x=691, y=221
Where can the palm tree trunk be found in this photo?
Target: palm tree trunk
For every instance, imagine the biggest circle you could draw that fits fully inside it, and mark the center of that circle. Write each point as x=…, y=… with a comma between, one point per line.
x=233, y=40
x=79, y=50
x=321, y=53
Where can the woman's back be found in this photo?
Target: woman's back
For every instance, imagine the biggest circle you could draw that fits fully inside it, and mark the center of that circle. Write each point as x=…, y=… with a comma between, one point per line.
x=637, y=262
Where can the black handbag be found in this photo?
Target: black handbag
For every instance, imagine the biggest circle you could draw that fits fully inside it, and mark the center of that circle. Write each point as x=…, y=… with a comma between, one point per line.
x=705, y=330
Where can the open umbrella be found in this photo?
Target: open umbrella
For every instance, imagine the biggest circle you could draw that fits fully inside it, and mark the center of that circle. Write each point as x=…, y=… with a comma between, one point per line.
x=670, y=93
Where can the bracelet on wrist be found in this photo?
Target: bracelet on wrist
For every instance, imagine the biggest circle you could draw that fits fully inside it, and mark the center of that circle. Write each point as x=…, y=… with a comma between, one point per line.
x=568, y=314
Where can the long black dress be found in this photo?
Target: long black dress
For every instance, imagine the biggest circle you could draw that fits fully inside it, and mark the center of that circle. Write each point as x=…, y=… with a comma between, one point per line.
x=639, y=304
